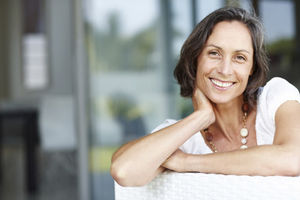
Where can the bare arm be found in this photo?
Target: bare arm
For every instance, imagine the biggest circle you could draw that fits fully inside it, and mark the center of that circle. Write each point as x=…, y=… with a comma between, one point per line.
x=280, y=158
x=138, y=162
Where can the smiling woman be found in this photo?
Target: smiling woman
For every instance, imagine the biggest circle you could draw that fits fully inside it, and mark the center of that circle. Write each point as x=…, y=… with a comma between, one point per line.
x=225, y=62
x=239, y=125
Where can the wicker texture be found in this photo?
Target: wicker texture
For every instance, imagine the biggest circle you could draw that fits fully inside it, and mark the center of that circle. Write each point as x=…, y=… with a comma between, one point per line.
x=190, y=186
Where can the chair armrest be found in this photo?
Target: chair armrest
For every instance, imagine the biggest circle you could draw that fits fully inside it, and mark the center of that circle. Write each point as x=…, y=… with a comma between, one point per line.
x=175, y=186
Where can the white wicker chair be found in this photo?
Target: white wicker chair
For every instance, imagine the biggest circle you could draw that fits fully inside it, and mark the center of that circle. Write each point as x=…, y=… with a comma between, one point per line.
x=191, y=186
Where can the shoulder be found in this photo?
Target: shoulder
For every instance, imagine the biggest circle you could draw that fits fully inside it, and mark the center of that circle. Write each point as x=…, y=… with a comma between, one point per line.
x=274, y=93
x=279, y=88
x=278, y=85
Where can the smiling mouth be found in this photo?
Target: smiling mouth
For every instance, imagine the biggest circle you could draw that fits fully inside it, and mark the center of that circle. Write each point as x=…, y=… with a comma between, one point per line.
x=221, y=84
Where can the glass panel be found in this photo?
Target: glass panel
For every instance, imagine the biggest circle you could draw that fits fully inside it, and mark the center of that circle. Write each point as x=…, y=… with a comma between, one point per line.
x=126, y=80
x=278, y=26
x=133, y=47
x=280, y=37
x=182, y=24
x=206, y=7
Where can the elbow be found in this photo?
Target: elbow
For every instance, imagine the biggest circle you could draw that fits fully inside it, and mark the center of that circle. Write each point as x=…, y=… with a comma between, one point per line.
x=124, y=177
x=291, y=167
x=119, y=175
x=291, y=171
x=294, y=168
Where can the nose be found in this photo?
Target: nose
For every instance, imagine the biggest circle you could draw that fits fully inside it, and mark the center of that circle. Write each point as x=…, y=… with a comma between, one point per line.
x=225, y=66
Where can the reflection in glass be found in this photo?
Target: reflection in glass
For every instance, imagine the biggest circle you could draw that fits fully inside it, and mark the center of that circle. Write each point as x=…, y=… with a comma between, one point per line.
x=133, y=47
x=125, y=80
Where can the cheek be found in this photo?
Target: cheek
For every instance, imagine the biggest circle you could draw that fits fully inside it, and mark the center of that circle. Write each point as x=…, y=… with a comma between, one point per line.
x=199, y=73
x=204, y=67
x=246, y=72
x=244, y=80
x=202, y=70
x=200, y=79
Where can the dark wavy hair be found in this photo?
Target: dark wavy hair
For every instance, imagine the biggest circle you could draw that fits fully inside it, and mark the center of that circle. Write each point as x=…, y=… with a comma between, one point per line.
x=186, y=68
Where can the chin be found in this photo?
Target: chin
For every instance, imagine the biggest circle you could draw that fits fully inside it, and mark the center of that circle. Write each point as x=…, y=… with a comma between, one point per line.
x=221, y=99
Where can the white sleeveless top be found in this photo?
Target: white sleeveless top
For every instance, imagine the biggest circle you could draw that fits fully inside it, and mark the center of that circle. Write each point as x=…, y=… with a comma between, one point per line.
x=270, y=97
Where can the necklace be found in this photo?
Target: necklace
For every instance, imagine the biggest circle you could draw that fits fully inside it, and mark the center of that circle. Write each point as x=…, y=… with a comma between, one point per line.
x=243, y=132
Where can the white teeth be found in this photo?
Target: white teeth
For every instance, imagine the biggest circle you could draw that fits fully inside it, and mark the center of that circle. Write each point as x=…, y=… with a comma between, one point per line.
x=221, y=84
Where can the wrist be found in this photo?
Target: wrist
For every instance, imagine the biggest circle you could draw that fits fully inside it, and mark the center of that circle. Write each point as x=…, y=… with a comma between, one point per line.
x=204, y=118
x=182, y=165
x=193, y=162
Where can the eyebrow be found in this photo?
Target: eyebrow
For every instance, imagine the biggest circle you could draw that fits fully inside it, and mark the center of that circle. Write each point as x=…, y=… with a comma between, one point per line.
x=239, y=50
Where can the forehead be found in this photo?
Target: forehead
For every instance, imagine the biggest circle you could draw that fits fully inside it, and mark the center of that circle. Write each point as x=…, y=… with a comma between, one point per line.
x=231, y=35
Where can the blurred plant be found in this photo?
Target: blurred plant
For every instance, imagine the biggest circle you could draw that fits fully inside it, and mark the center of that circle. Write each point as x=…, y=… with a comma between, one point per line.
x=125, y=111
x=283, y=45
x=283, y=48
x=282, y=55
x=113, y=51
x=110, y=50
x=121, y=106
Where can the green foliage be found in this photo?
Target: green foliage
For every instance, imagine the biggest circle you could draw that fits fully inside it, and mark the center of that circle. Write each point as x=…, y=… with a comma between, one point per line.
x=111, y=51
x=281, y=53
x=282, y=46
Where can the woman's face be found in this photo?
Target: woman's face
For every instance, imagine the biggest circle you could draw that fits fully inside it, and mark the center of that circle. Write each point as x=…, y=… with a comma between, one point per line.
x=225, y=63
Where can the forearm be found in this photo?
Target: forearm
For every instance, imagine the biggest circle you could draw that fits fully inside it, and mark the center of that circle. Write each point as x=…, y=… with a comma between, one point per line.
x=263, y=160
x=141, y=159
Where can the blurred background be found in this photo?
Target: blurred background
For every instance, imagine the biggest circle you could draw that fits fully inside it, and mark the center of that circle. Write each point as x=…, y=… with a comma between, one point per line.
x=78, y=78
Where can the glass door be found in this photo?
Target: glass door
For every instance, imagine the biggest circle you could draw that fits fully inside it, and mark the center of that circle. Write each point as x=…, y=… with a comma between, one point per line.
x=132, y=49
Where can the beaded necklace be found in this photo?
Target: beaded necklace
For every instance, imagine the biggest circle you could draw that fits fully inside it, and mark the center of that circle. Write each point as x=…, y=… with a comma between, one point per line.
x=243, y=132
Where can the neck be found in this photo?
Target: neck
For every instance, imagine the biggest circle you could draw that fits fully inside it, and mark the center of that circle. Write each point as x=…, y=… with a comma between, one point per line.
x=229, y=118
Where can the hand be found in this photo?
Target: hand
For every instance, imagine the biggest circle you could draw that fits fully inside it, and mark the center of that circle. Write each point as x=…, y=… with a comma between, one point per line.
x=202, y=103
x=176, y=162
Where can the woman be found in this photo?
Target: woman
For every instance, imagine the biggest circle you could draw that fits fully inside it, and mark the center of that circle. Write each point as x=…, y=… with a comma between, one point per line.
x=237, y=127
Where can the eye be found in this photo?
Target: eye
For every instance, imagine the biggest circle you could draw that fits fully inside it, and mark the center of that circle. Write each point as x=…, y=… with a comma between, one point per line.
x=214, y=53
x=240, y=58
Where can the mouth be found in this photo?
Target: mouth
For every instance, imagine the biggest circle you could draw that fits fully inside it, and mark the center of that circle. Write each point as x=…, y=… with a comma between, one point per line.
x=221, y=85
